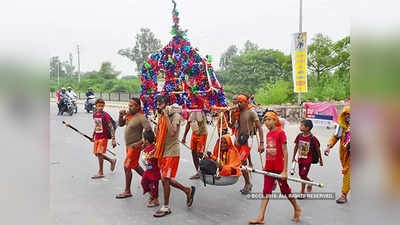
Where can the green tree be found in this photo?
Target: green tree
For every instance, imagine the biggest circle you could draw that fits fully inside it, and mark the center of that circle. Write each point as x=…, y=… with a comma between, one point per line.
x=325, y=56
x=226, y=56
x=146, y=44
x=248, y=71
x=249, y=46
x=107, y=71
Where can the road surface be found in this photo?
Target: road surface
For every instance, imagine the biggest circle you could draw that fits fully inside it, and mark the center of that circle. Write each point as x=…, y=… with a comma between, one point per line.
x=78, y=200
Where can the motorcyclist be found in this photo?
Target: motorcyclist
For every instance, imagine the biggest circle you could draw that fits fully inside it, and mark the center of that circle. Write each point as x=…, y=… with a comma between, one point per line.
x=63, y=94
x=89, y=92
x=71, y=93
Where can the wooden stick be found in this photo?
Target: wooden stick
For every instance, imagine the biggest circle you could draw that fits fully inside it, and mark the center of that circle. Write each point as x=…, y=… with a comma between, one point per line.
x=90, y=139
x=280, y=177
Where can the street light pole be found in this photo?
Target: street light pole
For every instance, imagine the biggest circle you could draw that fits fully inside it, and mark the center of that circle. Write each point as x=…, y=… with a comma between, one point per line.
x=300, y=30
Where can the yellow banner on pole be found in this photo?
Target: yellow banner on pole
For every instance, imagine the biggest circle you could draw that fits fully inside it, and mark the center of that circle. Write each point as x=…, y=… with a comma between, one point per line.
x=299, y=62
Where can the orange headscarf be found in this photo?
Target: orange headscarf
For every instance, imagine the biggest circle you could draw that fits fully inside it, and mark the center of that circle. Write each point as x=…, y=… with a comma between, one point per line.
x=129, y=116
x=242, y=98
x=275, y=117
x=230, y=159
x=161, y=132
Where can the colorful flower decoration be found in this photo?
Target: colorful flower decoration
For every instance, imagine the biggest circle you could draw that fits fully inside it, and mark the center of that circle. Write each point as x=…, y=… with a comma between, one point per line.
x=188, y=78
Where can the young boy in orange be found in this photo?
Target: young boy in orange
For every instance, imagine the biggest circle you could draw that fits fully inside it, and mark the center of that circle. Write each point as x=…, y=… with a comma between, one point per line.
x=276, y=162
x=103, y=125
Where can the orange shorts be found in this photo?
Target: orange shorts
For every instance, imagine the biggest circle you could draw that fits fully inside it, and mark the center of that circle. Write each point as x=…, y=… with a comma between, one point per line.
x=198, y=142
x=132, y=158
x=100, y=146
x=244, y=151
x=169, y=166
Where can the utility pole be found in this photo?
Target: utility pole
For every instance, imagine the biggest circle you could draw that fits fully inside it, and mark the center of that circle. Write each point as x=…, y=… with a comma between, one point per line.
x=79, y=68
x=300, y=30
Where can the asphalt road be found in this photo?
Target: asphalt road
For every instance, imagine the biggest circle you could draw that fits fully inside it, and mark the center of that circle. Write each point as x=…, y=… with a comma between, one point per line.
x=78, y=200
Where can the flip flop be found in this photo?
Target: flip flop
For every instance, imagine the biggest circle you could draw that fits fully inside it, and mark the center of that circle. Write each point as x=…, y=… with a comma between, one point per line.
x=123, y=195
x=97, y=176
x=152, y=204
x=255, y=222
x=189, y=201
x=161, y=212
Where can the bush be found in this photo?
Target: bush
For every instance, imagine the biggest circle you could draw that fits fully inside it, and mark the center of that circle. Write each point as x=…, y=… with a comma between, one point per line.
x=275, y=93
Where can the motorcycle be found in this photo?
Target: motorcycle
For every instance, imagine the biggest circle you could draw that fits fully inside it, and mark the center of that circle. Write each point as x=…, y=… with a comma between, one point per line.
x=66, y=106
x=89, y=104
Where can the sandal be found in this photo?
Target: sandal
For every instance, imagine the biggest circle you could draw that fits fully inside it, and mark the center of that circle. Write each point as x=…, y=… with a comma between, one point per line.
x=97, y=176
x=189, y=200
x=123, y=195
x=256, y=222
x=162, y=212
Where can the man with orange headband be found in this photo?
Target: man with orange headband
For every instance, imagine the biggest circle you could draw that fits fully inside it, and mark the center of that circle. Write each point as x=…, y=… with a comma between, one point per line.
x=247, y=119
x=276, y=162
x=196, y=121
x=135, y=123
x=101, y=132
x=167, y=153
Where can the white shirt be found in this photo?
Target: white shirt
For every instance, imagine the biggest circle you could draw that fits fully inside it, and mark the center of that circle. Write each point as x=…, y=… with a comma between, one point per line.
x=71, y=94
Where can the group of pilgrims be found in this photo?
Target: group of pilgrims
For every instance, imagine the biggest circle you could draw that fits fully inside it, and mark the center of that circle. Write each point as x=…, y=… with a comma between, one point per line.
x=156, y=140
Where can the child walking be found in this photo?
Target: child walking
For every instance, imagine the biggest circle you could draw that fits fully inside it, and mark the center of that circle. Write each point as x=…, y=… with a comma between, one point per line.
x=276, y=162
x=309, y=152
x=151, y=175
x=102, y=130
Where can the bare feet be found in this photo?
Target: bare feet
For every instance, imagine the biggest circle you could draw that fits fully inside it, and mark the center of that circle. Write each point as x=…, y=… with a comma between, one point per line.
x=297, y=214
x=195, y=177
x=112, y=167
x=256, y=221
x=246, y=189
